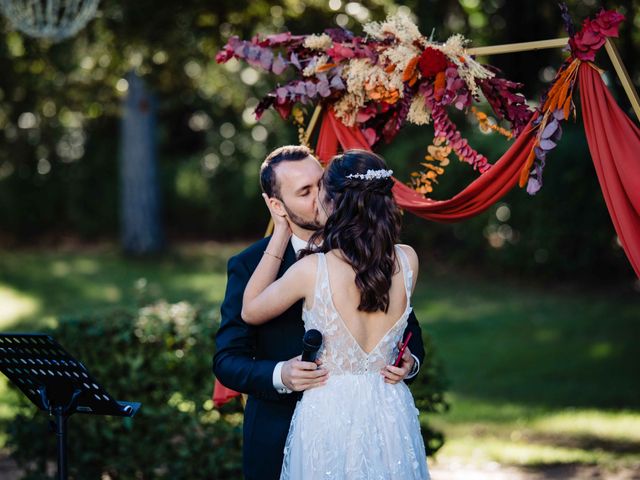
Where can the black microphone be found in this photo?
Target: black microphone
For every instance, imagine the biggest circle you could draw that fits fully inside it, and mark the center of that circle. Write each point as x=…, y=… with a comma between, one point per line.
x=311, y=343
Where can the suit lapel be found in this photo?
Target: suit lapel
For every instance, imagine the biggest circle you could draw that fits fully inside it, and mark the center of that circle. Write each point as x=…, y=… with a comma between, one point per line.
x=288, y=259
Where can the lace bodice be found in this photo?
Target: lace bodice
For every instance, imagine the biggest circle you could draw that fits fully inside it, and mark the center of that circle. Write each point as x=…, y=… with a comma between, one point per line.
x=340, y=352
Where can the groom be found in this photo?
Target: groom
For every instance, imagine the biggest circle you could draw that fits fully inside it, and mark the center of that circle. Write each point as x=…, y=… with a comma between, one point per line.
x=263, y=361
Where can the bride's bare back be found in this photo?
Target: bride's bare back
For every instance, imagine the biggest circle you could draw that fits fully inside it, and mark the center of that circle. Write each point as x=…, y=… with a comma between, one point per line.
x=367, y=328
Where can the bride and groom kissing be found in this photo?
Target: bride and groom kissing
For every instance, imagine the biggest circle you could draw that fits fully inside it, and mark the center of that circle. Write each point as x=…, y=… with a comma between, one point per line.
x=333, y=263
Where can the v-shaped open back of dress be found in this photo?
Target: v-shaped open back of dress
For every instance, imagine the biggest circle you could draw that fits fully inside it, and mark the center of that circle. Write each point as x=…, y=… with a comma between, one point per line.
x=341, y=353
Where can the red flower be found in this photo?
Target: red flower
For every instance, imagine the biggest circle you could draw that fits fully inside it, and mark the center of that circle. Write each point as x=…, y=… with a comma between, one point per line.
x=432, y=61
x=607, y=22
x=586, y=42
x=594, y=33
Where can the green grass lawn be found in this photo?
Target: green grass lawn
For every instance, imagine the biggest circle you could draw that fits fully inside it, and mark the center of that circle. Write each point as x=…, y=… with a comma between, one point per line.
x=538, y=376
x=37, y=288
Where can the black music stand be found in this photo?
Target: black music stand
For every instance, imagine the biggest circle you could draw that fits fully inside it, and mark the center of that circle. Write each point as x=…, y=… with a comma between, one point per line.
x=57, y=383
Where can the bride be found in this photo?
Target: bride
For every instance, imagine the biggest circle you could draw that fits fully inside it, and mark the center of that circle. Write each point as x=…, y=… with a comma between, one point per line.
x=356, y=286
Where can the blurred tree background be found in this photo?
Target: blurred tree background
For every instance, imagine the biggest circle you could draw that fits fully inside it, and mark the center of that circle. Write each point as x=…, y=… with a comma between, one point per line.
x=60, y=106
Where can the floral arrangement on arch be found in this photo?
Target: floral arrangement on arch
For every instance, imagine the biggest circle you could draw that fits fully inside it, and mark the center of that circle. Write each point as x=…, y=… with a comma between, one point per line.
x=557, y=104
x=378, y=82
x=395, y=75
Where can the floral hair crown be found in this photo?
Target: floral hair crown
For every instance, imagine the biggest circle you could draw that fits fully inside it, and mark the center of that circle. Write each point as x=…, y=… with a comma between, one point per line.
x=372, y=175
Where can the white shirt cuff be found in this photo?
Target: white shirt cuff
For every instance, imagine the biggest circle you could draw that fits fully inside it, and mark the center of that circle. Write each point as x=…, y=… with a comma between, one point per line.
x=416, y=368
x=277, y=379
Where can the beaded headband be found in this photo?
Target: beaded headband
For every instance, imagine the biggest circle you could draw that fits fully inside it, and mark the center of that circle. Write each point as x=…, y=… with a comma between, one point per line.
x=372, y=175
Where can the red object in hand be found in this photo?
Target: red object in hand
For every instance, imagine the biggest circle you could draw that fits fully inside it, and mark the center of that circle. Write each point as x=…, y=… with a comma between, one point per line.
x=402, y=349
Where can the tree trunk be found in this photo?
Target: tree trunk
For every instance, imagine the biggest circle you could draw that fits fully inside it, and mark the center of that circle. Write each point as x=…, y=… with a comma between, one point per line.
x=141, y=232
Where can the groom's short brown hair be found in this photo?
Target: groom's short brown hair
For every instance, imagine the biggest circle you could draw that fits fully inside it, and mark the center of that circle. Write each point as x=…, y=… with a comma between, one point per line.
x=288, y=153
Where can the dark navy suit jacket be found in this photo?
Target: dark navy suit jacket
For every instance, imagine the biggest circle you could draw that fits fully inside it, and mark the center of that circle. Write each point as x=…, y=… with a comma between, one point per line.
x=247, y=355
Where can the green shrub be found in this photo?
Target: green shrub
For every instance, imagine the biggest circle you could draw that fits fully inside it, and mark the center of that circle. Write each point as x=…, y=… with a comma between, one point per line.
x=429, y=393
x=160, y=356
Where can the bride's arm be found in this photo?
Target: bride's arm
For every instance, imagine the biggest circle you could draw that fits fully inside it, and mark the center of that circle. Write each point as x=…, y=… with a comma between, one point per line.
x=263, y=298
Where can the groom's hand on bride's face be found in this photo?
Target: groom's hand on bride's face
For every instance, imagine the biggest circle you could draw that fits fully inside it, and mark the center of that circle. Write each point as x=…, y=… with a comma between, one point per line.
x=298, y=375
x=397, y=374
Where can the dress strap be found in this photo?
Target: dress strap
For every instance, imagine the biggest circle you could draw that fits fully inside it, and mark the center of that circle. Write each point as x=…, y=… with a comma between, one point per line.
x=407, y=273
x=321, y=278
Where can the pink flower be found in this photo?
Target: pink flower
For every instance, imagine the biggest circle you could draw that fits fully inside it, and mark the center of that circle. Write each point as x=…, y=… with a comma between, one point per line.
x=229, y=50
x=585, y=44
x=339, y=52
x=276, y=39
x=371, y=135
x=366, y=113
x=607, y=22
x=589, y=37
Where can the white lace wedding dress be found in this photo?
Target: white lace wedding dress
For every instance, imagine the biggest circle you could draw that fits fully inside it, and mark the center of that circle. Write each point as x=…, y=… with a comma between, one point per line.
x=356, y=427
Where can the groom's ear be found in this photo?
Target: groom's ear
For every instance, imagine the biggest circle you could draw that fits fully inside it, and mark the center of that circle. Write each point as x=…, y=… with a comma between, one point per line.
x=277, y=206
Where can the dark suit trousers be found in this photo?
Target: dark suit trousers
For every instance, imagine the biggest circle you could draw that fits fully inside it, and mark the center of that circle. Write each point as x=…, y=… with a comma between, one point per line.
x=265, y=444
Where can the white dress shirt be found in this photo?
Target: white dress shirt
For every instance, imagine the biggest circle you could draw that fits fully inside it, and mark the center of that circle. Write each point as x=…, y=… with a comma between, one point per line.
x=298, y=244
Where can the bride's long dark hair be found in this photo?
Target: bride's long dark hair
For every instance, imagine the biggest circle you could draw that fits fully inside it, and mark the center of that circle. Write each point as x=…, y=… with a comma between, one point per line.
x=364, y=224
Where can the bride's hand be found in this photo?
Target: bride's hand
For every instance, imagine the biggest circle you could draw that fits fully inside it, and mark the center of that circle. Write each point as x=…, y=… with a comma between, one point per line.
x=280, y=223
x=393, y=374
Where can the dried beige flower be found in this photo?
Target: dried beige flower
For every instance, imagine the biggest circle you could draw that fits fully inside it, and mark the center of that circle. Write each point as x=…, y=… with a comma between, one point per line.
x=398, y=26
x=419, y=114
x=318, y=42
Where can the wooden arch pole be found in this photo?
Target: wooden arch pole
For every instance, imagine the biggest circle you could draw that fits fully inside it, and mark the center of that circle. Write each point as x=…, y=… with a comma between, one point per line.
x=609, y=46
x=312, y=124
x=519, y=47
x=623, y=75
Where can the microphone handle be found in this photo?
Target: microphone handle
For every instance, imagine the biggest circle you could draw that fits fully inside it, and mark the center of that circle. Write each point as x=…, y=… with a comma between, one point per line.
x=309, y=356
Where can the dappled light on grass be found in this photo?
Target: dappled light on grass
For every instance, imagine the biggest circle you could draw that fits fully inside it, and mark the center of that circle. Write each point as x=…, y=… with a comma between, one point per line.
x=623, y=426
x=506, y=343
x=508, y=433
x=527, y=453
x=39, y=287
x=601, y=350
x=537, y=376
x=15, y=305
x=74, y=266
x=463, y=309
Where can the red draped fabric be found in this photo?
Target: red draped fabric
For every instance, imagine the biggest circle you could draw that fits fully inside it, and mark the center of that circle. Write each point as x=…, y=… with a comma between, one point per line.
x=614, y=143
x=479, y=195
x=222, y=394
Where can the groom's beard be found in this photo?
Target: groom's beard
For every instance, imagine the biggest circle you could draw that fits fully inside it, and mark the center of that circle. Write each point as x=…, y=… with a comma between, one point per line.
x=312, y=225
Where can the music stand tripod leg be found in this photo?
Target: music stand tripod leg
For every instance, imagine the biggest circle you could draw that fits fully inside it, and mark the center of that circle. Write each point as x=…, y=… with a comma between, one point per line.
x=61, y=441
x=61, y=413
